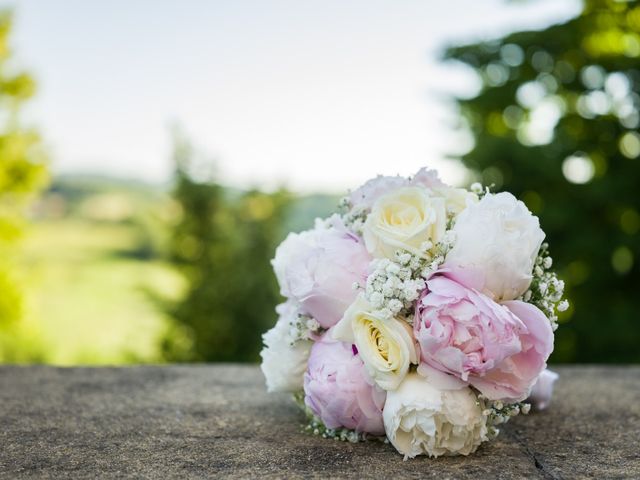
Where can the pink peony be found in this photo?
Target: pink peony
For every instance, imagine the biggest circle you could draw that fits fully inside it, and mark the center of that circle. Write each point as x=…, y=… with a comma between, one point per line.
x=318, y=268
x=365, y=196
x=498, y=348
x=427, y=178
x=339, y=391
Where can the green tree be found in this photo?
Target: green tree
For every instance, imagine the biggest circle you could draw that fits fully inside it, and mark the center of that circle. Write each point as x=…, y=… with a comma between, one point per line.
x=22, y=174
x=223, y=242
x=556, y=123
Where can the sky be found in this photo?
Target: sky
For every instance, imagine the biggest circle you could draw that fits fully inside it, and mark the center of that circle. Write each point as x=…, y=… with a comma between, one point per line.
x=313, y=95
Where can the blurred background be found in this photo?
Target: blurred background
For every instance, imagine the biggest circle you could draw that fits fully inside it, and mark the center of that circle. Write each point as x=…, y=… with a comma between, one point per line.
x=154, y=153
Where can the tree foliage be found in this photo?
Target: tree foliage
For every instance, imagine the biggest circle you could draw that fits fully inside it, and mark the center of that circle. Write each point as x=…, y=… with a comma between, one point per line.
x=22, y=174
x=556, y=123
x=222, y=242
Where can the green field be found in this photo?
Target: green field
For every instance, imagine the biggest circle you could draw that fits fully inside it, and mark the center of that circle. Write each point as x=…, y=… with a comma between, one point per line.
x=95, y=284
x=88, y=300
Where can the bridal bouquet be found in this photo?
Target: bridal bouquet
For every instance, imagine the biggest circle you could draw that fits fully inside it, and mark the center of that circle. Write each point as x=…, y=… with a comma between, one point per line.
x=419, y=312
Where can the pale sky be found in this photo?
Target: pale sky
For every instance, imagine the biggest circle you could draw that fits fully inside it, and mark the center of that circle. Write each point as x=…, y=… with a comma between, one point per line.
x=315, y=95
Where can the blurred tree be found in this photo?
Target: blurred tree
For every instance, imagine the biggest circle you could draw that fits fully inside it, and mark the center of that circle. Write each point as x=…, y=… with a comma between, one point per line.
x=22, y=173
x=556, y=123
x=222, y=242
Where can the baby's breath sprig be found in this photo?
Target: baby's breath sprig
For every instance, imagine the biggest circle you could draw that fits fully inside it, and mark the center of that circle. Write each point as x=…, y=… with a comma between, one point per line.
x=344, y=205
x=353, y=218
x=314, y=425
x=479, y=190
x=303, y=327
x=393, y=286
x=546, y=290
x=498, y=413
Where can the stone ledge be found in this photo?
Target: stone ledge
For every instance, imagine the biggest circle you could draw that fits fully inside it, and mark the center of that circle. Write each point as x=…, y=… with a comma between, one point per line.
x=218, y=421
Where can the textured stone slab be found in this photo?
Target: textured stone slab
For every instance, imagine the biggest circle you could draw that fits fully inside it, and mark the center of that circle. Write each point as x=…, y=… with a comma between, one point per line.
x=218, y=421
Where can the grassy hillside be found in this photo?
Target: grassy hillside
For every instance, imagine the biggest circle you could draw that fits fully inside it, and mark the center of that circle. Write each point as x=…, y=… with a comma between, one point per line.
x=94, y=263
x=89, y=303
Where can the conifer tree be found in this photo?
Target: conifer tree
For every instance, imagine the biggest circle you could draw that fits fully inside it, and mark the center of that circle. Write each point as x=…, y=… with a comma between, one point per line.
x=223, y=243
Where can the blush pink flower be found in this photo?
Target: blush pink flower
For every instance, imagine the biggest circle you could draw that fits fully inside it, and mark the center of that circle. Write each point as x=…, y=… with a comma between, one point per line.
x=318, y=268
x=498, y=348
x=366, y=195
x=339, y=391
x=428, y=178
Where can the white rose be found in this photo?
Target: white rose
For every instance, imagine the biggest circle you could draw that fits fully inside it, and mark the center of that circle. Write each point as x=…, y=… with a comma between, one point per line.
x=404, y=219
x=283, y=361
x=422, y=419
x=496, y=245
x=386, y=346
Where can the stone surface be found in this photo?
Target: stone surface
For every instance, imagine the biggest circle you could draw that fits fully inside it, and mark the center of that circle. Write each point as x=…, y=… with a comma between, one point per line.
x=218, y=421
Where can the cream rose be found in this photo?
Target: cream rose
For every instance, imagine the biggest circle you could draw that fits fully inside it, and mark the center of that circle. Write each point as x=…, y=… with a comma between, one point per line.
x=422, y=418
x=386, y=346
x=404, y=219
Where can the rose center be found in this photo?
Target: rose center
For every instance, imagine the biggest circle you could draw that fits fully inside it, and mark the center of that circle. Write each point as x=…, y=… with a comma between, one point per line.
x=381, y=343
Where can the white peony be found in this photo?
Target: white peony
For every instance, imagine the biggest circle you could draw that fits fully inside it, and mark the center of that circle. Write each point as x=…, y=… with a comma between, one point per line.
x=385, y=345
x=496, y=245
x=404, y=219
x=542, y=390
x=283, y=360
x=423, y=418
